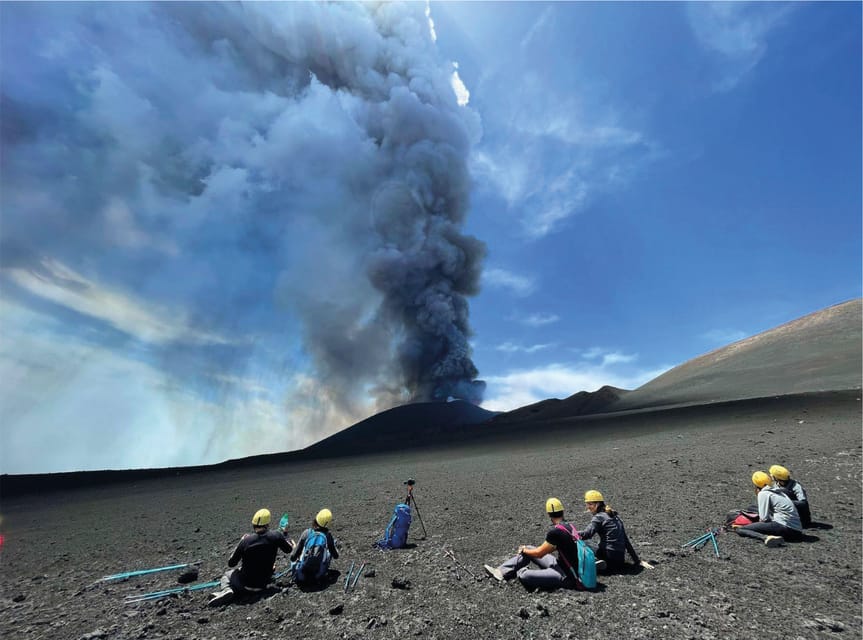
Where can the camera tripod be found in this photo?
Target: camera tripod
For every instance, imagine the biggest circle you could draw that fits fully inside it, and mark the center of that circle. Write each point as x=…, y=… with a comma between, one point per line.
x=410, y=482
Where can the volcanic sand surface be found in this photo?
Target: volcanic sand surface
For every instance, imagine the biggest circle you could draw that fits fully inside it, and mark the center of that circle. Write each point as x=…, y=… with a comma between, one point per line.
x=670, y=473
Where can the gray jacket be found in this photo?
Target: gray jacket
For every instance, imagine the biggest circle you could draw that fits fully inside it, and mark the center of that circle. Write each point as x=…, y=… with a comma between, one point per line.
x=775, y=506
x=796, y=489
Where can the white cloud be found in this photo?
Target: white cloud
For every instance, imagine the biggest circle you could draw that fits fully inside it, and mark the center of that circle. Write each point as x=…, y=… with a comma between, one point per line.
x=538, y=25
x=461, y=92
x=724, y=336
x=501, y=278
x=539, y=319
x=510, y=347
x=59, y=284
x=736, y=32
x=518, y=388
x=84, y=406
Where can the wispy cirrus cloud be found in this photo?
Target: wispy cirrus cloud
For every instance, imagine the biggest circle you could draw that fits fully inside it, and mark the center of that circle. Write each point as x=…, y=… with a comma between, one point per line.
x=538, y=319
x=556, y=156
x=511, y=347
x=737, y=33
x=521, y=387
x=54, y=282
x=518, y=284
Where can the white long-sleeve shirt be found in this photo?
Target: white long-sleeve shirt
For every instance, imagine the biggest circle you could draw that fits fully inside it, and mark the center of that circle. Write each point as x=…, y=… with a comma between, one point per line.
x=775, y=506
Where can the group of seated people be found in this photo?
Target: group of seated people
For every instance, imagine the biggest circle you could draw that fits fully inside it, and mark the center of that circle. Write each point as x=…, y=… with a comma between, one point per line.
x=256, y=554
x=782, y=511
x=781, y=514
x=536, y=567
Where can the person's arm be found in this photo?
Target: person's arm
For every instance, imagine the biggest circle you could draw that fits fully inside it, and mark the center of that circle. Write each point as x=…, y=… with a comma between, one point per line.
x=764, y=506
x=300, y=544
x=238, y=552
x=590, y=531
x=331, y=545
x=799, y=493
x=537, y=552
x=283, y=543
x=632, y=553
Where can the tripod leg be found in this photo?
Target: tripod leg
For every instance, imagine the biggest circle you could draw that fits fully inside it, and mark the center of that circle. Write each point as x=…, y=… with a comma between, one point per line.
x=414, y=500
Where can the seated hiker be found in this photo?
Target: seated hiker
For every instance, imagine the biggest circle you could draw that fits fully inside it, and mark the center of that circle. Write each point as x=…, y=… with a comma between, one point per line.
x=794, y=490
x=550, y=572
x=777, y=516
x=613, y=541
x=256, y=554
x=314, y=550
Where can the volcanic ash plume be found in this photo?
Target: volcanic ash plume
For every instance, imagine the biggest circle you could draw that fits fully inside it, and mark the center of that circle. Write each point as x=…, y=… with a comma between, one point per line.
x=270, y=167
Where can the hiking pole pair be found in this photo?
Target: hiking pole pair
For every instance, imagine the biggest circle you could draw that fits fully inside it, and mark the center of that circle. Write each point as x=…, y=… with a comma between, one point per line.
x=158, y=595
x=356, y=576
x=700, y=541
x=410, y=482
x=458, y=564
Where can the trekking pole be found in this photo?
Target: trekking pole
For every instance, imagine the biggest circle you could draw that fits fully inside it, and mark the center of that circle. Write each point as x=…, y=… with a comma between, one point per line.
x=715, y=545
x=358, y=574
x=410, y=482
x=156, y=595
x=348, y=578
x=141, y=572
x=458, y=563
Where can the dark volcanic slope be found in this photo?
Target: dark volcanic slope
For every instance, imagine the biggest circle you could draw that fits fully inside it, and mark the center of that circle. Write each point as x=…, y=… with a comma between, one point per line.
x=819, y=352
x=670, y=473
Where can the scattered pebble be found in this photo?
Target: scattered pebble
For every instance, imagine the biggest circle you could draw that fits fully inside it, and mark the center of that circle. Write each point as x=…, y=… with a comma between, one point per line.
x=401, y=583
x=337, y=610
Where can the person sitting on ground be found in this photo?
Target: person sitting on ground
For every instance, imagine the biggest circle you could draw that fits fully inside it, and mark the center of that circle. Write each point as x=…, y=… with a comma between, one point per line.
x=256, y=554
x=794, y=490
x=553, y=573
x=314, y=551
x=613, y=541
x=778, y=520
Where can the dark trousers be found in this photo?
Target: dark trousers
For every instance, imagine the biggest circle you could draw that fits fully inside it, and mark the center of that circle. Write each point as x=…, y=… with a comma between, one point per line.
x=803, y=511
x=761, y=530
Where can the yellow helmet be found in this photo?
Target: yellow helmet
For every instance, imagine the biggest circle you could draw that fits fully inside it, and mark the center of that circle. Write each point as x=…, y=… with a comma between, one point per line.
x=760, y=479
x=261, y=518
x=553, y=505
x=779, y=472
x=593, y=496
x=324, y=517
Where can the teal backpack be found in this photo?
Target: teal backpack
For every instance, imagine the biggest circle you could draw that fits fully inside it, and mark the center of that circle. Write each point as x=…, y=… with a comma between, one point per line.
x=586, y=574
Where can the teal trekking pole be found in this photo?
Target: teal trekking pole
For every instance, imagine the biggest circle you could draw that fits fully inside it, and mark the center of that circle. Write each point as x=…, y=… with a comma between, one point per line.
x=142, y=572
x=158, y=595
x=348, y=578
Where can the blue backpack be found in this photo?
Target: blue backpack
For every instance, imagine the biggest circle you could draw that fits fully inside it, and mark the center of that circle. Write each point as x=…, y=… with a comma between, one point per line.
x=396, y=534
x=586, y=574
x=314, y=560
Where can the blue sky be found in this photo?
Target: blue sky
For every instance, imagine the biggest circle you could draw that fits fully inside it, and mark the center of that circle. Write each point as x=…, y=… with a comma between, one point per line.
x=271, y=225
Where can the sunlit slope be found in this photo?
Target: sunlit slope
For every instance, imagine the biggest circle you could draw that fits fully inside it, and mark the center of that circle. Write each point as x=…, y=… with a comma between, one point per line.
x=819, y=352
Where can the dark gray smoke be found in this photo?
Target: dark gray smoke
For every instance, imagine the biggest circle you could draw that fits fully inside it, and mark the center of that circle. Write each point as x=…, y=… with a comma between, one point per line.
x=265, y=169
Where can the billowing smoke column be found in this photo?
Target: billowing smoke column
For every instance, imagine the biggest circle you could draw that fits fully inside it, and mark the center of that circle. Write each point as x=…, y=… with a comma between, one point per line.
x=260, y=165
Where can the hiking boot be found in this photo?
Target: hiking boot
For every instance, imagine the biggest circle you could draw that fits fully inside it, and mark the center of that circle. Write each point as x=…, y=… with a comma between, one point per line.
x=221, y=597
x=774, y=541
x=601, y=565
x=493, y=572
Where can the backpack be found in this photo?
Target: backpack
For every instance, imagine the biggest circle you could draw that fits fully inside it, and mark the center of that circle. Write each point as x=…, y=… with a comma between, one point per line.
x=314, y=560
x=396, y=533
x=586, y=573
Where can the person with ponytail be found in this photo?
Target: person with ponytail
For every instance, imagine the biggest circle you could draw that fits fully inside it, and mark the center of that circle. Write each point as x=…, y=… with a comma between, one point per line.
x=613, y=542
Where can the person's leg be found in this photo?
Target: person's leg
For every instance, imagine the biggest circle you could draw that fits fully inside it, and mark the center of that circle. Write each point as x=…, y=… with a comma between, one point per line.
x=760, y=530
x=803, y=511
x=551, y=576
x=511, y=566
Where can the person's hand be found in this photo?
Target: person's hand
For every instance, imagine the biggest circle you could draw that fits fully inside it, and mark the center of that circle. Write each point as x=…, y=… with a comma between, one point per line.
x=521, y=549
x=736, y=526
x=646, y=564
